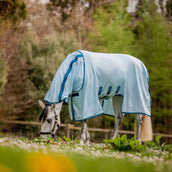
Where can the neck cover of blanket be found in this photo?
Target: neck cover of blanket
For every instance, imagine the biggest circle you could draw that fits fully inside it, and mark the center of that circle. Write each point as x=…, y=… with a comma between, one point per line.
x=88, y=81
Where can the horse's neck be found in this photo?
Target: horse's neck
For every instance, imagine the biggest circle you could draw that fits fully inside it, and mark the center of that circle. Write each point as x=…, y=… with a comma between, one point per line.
x=58, y=107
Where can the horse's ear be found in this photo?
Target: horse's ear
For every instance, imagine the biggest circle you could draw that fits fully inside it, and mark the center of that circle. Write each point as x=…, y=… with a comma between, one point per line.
x=41, y=104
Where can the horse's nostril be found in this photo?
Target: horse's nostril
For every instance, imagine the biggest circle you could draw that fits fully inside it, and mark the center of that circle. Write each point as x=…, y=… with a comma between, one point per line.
x=49, y=120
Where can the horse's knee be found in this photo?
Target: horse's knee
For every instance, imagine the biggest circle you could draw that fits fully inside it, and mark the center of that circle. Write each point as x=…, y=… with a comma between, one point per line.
x=119, y=118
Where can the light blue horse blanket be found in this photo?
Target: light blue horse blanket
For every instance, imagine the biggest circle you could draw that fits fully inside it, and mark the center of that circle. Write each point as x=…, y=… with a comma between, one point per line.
x=88, y=81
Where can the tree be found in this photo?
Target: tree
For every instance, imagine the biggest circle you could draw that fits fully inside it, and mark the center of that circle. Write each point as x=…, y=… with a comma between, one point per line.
x=112, y=32
x=43, y=58
x=153, y=45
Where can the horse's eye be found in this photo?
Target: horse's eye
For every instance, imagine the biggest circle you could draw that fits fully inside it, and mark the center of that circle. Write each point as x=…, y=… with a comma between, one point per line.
x=49, y=120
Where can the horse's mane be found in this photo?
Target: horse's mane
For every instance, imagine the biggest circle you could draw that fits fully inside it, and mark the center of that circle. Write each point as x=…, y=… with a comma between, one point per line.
x=44, y=113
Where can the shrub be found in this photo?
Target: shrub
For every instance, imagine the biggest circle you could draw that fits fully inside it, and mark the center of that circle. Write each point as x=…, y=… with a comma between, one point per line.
x=44, y=57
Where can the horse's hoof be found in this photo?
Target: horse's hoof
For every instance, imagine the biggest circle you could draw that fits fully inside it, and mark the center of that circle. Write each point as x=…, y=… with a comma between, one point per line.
x=81, y=142
x=88, y=142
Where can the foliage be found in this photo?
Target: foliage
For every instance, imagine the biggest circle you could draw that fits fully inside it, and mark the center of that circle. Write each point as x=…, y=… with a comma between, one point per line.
x=67, y=139
x=167, y=148
x=153, y=45
x=13, y=9
x=112, y=31
x=44, y=57
x=124, y=144
x=68, y=6
x=132, y=145
x=3, y=71
x=158, y=146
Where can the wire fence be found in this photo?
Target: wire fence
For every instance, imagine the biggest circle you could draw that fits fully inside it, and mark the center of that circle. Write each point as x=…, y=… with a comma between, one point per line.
x=31, y=130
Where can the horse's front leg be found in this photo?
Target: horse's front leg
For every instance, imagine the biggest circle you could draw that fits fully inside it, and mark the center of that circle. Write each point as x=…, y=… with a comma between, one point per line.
x=117, y=104
x=138, y=126
x=85, y=136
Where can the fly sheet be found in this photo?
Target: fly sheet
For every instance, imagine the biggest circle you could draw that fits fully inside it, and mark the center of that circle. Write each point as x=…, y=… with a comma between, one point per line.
x=88, y=81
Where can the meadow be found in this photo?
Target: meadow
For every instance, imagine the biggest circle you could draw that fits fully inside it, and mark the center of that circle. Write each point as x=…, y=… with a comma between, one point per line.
x=19, y=154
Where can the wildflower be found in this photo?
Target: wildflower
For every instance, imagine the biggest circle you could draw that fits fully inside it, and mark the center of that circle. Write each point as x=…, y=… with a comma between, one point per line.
x=39, y=162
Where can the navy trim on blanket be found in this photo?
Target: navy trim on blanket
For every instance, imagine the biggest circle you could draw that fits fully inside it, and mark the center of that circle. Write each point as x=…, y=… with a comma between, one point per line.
x=100, y=90
x=136, y=113
x=90, y=117
x=56, y=102
x=67, y=74
x=109, y=90
x=75, y=94
x=103, y=103
x=110, y=115
x=107, y=94
x=117, y=90
x=73, y=113
x=95, y=116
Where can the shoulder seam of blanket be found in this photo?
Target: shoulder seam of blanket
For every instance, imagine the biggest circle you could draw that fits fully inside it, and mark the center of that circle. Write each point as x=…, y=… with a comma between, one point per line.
x=68, y=72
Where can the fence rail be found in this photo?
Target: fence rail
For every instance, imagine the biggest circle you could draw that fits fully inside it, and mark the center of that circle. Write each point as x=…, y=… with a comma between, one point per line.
x=73, y=127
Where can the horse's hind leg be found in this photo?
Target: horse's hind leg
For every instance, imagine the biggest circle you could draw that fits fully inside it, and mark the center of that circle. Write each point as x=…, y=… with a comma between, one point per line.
x=138, y=126
x=85, y=136
x=117, y=104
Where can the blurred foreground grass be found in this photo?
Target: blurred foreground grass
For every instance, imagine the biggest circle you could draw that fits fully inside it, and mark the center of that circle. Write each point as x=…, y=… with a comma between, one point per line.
x=15, y=160
x=23, y=155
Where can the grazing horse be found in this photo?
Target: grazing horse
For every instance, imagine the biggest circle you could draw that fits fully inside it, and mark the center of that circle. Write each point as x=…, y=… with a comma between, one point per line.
x=98, y=83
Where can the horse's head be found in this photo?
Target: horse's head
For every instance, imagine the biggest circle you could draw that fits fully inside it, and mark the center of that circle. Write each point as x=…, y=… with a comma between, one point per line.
x=49, y=118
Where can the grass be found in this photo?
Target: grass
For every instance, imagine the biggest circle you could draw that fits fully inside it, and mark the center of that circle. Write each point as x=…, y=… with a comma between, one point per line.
x=109, y=164
x=66, y=155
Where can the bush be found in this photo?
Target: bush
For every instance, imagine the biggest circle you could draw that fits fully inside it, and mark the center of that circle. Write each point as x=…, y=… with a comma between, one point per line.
x=44, y=57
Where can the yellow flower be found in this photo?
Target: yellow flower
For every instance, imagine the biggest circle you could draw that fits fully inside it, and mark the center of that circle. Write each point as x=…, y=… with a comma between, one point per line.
x=40, y=162
x=4, y=168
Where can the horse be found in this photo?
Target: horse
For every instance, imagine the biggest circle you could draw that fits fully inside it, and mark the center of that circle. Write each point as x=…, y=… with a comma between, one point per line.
x=98, y=83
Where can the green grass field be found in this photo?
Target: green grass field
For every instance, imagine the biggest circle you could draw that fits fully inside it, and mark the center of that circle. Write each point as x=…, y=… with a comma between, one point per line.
x=64, y=155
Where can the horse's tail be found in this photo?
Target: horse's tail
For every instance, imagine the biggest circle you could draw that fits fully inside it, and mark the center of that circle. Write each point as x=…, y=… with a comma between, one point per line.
x=146, y=131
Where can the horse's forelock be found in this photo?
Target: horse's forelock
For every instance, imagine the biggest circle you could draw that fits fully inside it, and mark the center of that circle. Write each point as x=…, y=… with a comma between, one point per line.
x=44, y=113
